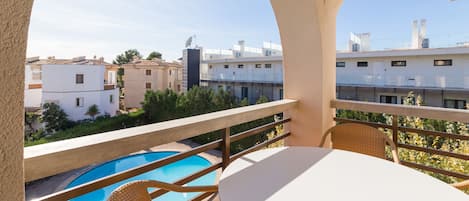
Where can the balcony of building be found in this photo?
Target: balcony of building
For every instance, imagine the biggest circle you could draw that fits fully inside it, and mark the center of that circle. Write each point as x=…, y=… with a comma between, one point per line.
x=309, y=110
x=49, y=159
x=109, y=86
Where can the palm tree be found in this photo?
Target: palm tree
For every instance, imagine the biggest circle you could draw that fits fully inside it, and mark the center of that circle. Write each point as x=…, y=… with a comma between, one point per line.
x=92, y=111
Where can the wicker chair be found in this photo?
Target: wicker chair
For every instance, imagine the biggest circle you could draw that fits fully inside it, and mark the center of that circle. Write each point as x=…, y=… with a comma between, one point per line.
x=464, y=185
x=137, y=190
x=360, y=138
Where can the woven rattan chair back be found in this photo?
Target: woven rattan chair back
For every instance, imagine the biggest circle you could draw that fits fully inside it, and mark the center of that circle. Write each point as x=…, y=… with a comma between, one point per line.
x=361, y=139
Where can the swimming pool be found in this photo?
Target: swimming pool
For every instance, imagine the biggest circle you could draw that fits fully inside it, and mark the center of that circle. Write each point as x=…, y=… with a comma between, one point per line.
x=168, y=173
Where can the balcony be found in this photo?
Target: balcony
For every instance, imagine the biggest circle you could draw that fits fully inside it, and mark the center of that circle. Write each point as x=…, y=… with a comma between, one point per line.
x=49, y=159
x=109, y=86
x=53, y=158
x=306, y=36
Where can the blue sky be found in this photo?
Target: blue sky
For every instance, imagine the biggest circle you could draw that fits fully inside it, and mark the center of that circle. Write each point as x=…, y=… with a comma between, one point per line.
x=69, y=28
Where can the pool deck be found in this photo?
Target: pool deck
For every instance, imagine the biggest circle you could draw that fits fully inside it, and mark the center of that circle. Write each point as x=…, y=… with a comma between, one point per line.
x=58, y=182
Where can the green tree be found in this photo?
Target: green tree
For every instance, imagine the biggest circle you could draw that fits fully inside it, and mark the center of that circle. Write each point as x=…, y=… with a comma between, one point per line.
x=160, y=105
x=198, y=100
x=153, y=55
x=224, y=100
x=54, y=117
x=127, y=57
x=30, y=118
x=244, y=102
x=93, y=111
x=262, y=99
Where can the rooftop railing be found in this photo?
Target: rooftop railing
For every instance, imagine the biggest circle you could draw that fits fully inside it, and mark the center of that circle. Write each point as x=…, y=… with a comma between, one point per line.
x=50, y=159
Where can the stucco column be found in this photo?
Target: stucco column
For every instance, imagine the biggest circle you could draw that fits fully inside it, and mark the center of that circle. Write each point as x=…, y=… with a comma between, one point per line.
x=14, y=24
x=307, y=29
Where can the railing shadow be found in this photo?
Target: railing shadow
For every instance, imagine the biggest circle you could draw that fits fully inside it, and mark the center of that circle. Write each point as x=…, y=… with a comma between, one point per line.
x=273, y=167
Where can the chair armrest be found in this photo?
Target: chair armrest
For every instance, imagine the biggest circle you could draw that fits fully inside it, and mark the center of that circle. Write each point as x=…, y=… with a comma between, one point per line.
x=461, y=185
x=178, y=188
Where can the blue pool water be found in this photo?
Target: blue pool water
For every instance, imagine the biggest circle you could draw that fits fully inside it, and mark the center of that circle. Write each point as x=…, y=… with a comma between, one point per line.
x=168, y=173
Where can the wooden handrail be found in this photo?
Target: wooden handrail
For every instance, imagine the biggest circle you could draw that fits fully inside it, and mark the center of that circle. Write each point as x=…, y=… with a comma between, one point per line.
x=224, y=143
x=62, y=156
x=404, y=110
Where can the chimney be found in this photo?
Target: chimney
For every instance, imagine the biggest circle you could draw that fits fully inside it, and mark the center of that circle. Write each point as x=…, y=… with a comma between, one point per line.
x=241, y=44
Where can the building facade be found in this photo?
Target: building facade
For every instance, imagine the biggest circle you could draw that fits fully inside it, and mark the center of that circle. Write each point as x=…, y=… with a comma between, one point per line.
x=439, y=75
x=143, y=75
x=247, y=72
x=74, y=85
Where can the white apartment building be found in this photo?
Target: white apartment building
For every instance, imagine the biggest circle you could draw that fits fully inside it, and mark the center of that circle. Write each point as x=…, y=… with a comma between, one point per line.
x=33, y=84
x=245, y=71
x=439, y=75
x=74, y=85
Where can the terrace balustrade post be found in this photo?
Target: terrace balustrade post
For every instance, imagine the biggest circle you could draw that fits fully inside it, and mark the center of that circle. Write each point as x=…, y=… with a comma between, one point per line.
x=226, y=148
x=395, y=130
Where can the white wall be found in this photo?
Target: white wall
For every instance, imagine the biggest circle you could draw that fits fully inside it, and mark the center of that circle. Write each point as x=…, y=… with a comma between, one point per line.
x=59, y=86
x=61, y=78
x=32, y=97
x=67, y=101
x=419, y=72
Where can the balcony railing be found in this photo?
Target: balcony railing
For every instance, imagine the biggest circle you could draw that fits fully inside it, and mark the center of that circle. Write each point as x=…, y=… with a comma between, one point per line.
x=49, y=159
x=109, y=86
x=398, y=131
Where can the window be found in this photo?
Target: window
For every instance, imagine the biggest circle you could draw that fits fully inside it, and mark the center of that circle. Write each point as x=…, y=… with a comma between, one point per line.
x=268, y=53
x=210, y=66
x=148, y=85
x=111, y=98
x=398, y=63
x=147, y=72
x=281, y=93
x=79, y=78
x=268, y=65
x=79, y=102
x=455, y=104
x=362, y=64
x=444, y=62
x=226, y=66
x=179, y=87
x=240, y=65
x=170, y=72
x=388, y=99
x=258, y=65
x=340, y=64
x=244, y=92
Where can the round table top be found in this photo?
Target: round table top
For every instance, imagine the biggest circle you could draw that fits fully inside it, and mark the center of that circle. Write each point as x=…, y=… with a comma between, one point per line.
x=308, y=173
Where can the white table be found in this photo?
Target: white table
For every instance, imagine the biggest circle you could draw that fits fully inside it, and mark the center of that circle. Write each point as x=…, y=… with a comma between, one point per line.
x=306, y=173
